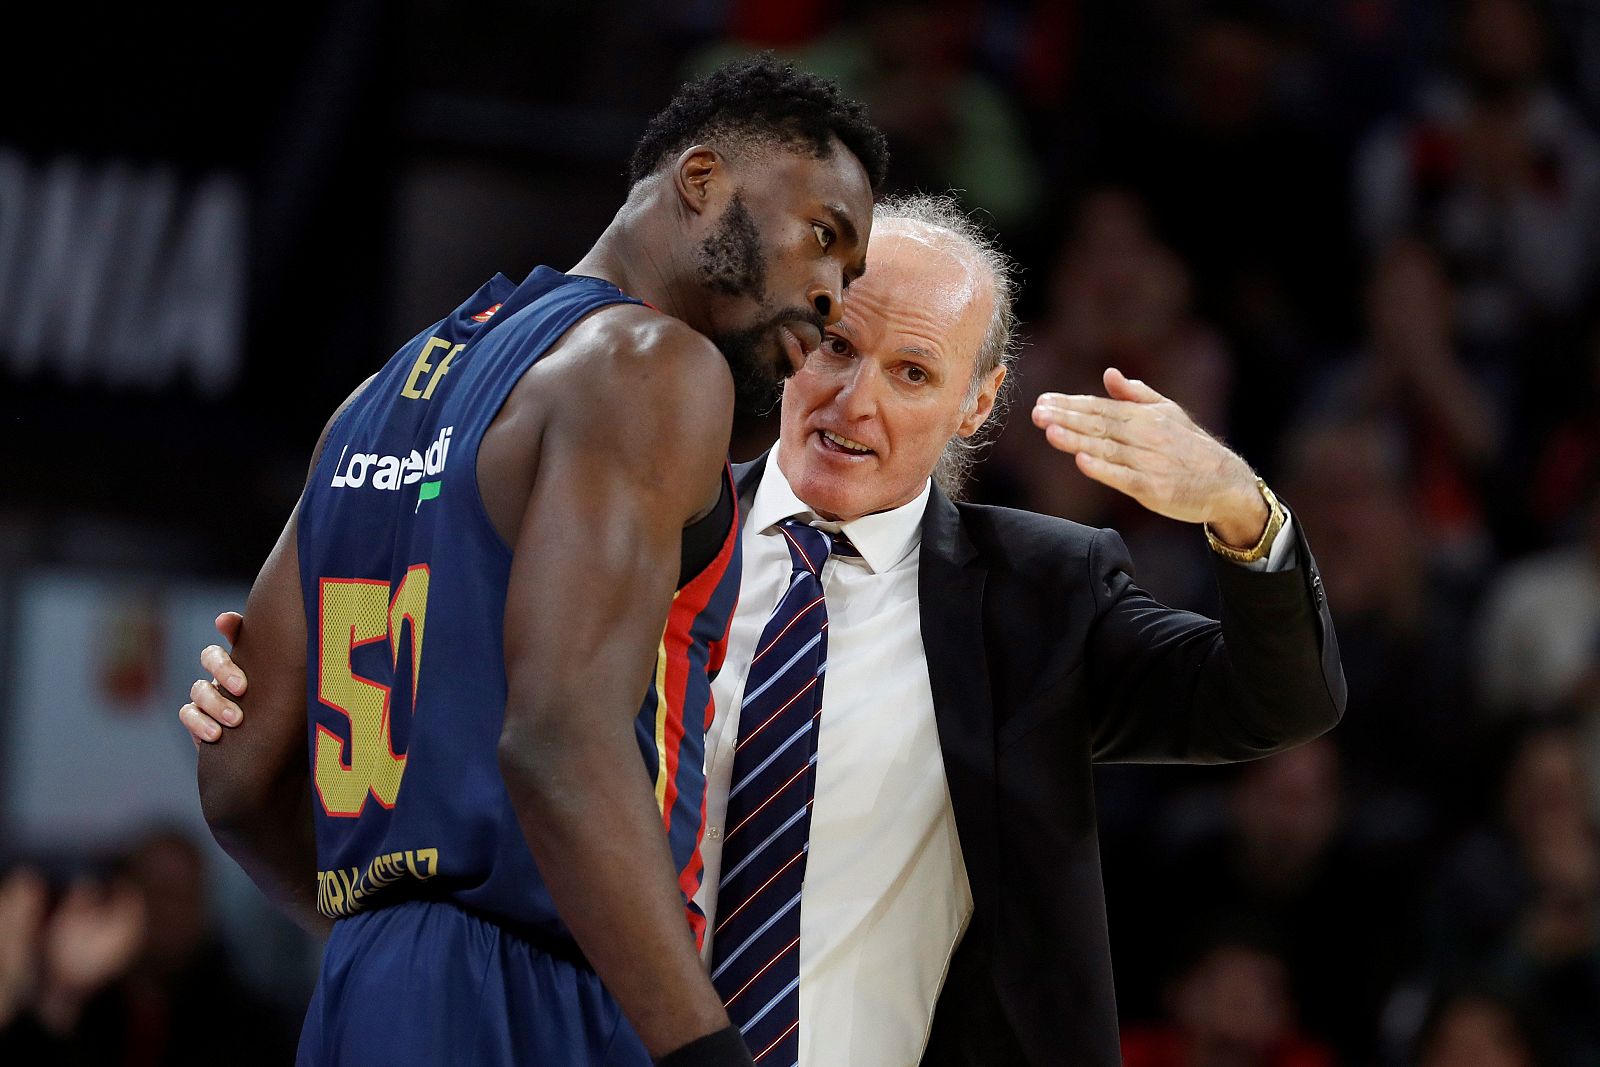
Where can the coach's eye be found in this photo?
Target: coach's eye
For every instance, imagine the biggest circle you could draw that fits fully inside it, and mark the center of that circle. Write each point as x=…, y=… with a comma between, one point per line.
x=824, y=235
x=836, y=345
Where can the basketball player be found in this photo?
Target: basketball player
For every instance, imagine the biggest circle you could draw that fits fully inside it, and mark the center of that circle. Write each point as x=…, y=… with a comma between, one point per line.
x=520, y=524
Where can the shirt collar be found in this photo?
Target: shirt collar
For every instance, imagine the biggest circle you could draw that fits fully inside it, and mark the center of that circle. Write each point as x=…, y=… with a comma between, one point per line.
x=884, y=538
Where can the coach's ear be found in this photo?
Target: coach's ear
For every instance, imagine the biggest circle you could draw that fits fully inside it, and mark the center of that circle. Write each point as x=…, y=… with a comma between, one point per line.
x=983, y=403
x=698, y=176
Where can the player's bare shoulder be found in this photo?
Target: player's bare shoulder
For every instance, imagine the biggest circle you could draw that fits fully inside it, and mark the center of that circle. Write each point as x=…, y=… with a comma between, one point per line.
x=649, y=357
x=625, y=384
x=620, y=364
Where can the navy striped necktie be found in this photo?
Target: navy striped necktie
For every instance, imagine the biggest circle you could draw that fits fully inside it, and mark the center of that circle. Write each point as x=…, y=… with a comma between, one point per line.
x=755, y=951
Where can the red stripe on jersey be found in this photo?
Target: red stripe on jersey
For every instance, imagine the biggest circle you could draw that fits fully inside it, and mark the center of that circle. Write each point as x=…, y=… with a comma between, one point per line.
x=687, y=607
x=697, y=921
x=718, y=651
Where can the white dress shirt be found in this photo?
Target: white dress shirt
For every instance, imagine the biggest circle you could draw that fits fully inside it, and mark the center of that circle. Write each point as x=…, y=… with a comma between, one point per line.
x=886, y=896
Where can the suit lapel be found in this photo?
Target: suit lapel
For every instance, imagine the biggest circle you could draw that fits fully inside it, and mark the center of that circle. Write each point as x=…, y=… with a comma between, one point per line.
x=746, y=477
x=950, y=582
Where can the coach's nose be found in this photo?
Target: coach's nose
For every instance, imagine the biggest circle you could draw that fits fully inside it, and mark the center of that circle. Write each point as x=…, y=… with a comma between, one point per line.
x=858, y=394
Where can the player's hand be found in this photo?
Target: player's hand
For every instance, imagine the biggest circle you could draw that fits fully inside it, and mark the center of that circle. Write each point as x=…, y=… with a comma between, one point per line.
x=209, y=708
x=1140, y=443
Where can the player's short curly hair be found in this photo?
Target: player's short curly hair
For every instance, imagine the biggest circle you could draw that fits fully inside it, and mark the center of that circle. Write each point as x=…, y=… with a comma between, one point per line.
x=761, y=100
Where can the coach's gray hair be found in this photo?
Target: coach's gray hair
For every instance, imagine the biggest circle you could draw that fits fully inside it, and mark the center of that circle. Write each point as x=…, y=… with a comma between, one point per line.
x=966, y=237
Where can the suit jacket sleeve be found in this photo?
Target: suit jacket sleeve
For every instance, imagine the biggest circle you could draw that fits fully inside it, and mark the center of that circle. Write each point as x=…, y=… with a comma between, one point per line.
x=1171, y=686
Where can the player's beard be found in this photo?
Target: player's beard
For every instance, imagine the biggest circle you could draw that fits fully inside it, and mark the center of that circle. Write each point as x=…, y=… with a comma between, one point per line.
x=733, y=263
x=758, y=363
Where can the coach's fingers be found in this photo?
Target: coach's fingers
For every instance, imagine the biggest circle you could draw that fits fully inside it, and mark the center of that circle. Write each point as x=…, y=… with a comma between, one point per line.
x=1050, y=419
x=1124, y=480
x=220, y=665
x=1046, y=415
x=215, y=703
x=1122, y=387
x=202, y=728
x=1147, y=434
x=1113, y=411
x=1144, y=426
x=1066, y=439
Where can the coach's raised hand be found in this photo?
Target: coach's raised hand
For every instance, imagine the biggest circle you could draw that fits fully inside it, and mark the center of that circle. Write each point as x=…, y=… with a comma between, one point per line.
x=1140, y=443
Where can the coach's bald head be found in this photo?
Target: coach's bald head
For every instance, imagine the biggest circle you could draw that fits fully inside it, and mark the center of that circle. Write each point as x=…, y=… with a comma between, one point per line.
x=906, y=381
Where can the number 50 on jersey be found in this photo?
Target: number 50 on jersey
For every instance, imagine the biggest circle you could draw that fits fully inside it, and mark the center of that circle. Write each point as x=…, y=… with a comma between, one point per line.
x=355, y=612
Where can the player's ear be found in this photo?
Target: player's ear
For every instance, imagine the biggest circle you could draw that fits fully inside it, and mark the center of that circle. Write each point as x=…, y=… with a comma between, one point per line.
x=697, y=176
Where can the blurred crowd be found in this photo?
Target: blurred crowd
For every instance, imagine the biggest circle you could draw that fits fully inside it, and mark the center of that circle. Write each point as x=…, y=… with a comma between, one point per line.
x=1360, y=240
x=119, y=964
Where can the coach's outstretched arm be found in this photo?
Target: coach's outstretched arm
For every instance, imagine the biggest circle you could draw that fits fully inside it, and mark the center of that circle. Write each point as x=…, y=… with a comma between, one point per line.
x=632, y=453
x=1172, y=686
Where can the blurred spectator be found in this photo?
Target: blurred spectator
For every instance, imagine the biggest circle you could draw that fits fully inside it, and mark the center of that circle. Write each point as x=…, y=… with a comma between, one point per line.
x=1521, y=899
x=911, y=63
x=1250, y=194
x=1409, y=385
x=1229, y=1007
x=1285, y=857
x=1568, y=463
x=23, y=899
x=1120, y=298
x=60, y=963
x=126, y=971
x=1402, y=626
x=1480, y=1028
x=182, y=963
x=1349, y=62
x=1575, y=30
x=1493, y=165
x=1538, y=638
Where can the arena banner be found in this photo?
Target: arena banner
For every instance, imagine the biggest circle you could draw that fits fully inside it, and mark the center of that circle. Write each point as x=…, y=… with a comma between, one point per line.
x=93, y=750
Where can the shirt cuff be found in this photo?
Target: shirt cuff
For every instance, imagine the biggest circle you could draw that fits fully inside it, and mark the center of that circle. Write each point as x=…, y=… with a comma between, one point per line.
x=1282, y=556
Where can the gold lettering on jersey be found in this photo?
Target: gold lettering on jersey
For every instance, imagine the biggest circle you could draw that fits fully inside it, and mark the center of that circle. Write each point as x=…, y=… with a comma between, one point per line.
x=357, y=612
x=412, y=390
x=444, y=368
x=344, y=891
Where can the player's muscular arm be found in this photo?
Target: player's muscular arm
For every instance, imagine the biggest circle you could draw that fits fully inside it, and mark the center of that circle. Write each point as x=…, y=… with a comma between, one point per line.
x=254, y=784
x=631, y=453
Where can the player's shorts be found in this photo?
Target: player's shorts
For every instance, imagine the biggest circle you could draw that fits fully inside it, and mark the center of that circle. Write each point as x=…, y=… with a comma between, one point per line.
x=428, y=983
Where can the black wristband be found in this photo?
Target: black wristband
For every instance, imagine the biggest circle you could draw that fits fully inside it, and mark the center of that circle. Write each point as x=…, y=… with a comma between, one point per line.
x=725, y=1048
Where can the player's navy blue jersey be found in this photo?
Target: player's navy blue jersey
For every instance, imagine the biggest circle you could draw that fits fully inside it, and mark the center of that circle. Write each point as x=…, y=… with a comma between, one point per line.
x=405, y=579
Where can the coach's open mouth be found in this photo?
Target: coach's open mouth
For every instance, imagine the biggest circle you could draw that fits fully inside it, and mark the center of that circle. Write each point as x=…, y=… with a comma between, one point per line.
x=842, y=445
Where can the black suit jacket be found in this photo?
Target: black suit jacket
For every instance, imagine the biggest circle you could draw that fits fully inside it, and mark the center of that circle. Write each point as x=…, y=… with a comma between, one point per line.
x=1044, y=658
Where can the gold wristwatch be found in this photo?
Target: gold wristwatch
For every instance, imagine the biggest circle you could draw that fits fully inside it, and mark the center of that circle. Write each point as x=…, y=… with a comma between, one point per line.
x=1275, y=519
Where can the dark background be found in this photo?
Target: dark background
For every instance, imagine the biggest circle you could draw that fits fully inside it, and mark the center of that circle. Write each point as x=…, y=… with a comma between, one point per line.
x=1356, y=237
